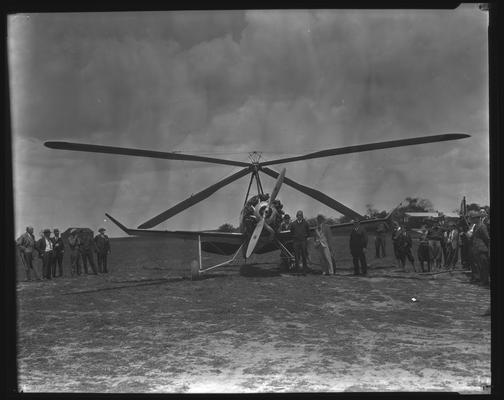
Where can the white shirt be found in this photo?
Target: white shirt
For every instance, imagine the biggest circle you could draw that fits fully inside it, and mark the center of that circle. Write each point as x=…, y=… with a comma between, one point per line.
x=48, y=245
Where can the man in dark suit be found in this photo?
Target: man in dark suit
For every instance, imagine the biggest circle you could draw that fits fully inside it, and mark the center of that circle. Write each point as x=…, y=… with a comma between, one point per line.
x=300, y=231
x=481, y=247
x=358, y=246
x=58, y=251
x=102, y=249
x=381, y=231
x=45, y=250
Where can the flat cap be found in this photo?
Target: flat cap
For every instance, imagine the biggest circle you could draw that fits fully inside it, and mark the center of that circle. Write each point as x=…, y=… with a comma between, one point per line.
x=46, y=230
x=101, y=230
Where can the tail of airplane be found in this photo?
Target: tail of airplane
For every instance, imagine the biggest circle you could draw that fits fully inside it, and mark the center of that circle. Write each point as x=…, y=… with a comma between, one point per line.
x=121, y=226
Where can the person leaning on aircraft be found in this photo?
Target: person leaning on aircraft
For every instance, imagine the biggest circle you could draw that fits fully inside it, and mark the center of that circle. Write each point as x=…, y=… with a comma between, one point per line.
x=322, y=243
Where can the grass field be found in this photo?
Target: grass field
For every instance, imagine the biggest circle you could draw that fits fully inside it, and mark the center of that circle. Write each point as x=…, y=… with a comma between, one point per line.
x=146, y=327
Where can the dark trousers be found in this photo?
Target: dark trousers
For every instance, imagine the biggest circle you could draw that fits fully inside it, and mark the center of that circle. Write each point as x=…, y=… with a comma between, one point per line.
x=380, y=246
x=406, y=254
x=464, y=255
x=358, y=256
x=57, y=261
x=396, y=254
x=102, y=261
x=445, y=253
x=47, y=259
x=473, y=264
x=301, y=251
x=87, y=255
x=75, y=265
x=484, y=268
x=27, y=259
x=452, y=256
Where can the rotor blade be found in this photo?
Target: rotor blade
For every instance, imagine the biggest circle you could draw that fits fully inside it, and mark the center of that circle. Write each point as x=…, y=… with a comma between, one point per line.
x=196, y=198
x=317, y=195
x=255, y=237
x=369, y=147
x=93, y=148
x=278, y=185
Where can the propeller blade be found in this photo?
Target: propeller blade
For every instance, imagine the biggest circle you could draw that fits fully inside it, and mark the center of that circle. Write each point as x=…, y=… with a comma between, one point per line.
x=192, y=200
x=369, y=147
x=255, y=237
x=92, y=148
x=317, y=195
x=277, y=187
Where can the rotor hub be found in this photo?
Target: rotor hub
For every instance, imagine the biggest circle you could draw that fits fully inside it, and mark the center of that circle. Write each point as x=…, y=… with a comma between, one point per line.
x=255, y=157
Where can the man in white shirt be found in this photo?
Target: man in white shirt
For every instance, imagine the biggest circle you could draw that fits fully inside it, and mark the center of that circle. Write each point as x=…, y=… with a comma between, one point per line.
x=45, y=249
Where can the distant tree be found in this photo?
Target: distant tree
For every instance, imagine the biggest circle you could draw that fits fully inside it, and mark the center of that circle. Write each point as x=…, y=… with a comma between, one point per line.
x=374, y=213
x=413, y=204
x=227, y=228
x=344, y=219
x=474, y=207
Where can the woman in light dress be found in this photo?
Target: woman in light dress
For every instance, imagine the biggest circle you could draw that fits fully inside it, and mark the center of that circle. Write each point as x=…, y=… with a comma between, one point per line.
x=322, y=244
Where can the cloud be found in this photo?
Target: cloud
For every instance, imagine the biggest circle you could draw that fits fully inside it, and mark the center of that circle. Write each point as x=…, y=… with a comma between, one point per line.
x=279, y=82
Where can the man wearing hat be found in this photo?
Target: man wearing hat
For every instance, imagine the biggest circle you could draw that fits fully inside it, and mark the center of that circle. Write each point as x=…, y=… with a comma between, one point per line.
x=102, y=249
x=26, y=245
x=75, y=258
x=358, y=245
x=480, y=246
x=45, y=248
x=58, y=251
x=300, y=231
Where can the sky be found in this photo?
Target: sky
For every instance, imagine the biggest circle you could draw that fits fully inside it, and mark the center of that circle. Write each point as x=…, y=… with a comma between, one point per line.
x=226, y=83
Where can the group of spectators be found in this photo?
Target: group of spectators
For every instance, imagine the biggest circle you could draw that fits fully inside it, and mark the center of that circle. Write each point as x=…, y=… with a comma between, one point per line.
x=439, y=245
x=82, y=246
x=441, y=242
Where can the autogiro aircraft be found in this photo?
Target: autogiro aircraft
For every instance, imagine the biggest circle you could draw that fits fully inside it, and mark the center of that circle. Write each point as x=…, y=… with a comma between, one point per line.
x=262, y=213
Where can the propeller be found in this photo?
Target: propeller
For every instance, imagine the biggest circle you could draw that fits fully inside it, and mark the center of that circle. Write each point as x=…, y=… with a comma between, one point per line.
x=192, y=200
x=370, y=146
x=262, y=222
x=93, y=148
x=255, y=237
x=317, y=195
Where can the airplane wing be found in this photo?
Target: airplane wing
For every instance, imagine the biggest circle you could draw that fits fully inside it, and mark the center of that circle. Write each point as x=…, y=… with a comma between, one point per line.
x=369, y=224
x=225, y=243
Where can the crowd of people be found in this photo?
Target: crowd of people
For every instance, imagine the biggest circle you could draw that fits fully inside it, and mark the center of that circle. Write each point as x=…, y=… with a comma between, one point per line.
x=43, y=258
x=440, y=244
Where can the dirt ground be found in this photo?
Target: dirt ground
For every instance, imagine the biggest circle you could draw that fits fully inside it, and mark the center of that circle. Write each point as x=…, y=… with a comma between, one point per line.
x=146, y=327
